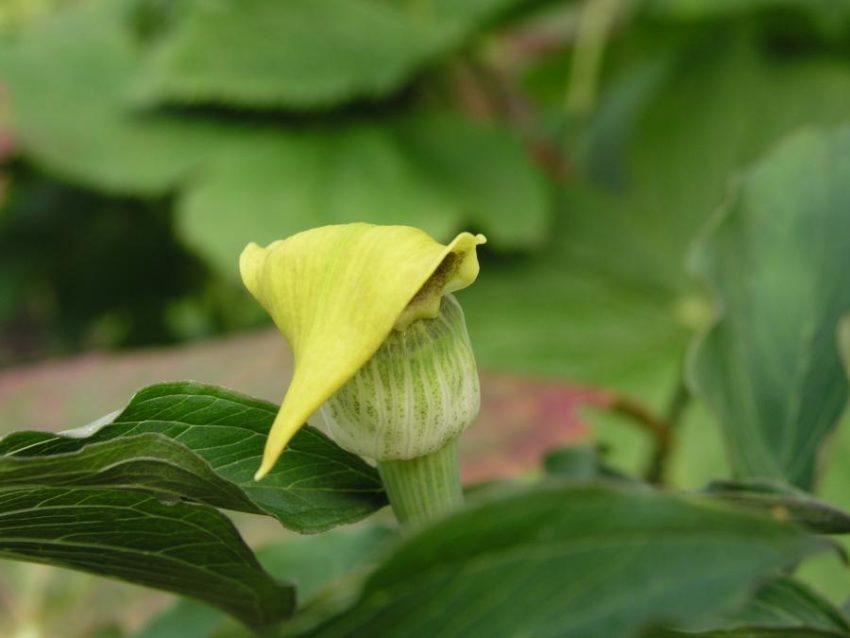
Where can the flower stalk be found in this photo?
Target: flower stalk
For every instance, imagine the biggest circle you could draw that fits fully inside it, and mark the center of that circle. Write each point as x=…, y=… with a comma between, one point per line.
x=425, y=487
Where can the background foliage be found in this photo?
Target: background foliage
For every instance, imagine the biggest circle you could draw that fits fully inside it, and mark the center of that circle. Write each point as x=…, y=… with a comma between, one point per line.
x=664, y=184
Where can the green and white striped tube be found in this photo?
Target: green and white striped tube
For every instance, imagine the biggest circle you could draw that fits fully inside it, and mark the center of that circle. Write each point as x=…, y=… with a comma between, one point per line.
x=419, y=391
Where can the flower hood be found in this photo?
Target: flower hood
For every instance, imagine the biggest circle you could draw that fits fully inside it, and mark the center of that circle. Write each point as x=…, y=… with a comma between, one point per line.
x=336, y=293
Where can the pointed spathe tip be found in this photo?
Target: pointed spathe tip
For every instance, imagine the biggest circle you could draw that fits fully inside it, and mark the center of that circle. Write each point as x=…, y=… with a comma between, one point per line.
x=261, y=473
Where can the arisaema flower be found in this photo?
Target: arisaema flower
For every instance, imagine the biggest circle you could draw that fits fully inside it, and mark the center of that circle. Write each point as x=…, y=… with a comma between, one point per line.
x=367, y=312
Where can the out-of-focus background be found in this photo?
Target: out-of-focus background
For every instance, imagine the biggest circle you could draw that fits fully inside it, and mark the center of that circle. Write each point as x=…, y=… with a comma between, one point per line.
x=143, y=143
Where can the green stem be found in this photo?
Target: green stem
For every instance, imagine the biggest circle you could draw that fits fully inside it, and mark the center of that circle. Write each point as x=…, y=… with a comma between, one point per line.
x=423, y=488
x=597, y=20
x=672, y=416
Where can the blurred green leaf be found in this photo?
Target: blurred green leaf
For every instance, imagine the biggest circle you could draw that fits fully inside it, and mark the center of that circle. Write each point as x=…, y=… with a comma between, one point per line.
x=437, y=172
x=580, y=463
x=769, y=367
x=315, y=564
x=485, y=173
x=191, y=550
x=611, y=301
x=785, y=602
x=297, y=54
x=254, y=181
x=829, y=574
x=783, y=608
x=608, y=300
x=185, y=619
x=836, y=10
x=751, y=632
x=783, y=502
x=316, y=485
x=305, y=54
x=577, y=462
x=329, y=570
x=65, y=78
x=565, y=561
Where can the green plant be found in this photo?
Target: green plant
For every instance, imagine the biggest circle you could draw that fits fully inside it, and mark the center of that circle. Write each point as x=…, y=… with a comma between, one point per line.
x=666, y=104
x=137, y=495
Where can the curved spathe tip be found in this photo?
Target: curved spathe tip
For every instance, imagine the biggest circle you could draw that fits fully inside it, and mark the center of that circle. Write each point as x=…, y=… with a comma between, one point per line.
x=336, y=292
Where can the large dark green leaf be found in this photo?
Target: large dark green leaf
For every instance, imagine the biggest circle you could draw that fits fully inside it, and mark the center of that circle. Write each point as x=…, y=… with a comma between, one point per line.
x=776, y=260
x=562, y=561
x=315, y=485
x=191, y=550
x=148, y=462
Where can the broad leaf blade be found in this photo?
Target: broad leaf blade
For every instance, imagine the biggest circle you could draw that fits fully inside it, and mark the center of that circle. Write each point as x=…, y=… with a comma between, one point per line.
x=147, y=462
x=565, y=561
x=769, y=367
x=315, y=486
x=191, y=550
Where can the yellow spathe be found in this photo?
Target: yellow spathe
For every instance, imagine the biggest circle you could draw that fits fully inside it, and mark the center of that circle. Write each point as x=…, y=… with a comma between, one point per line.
x=336, y=292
